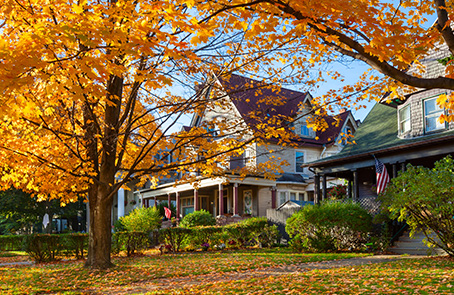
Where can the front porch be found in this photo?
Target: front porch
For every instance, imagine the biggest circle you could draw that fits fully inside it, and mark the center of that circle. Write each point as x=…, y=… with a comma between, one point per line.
x=232, y=198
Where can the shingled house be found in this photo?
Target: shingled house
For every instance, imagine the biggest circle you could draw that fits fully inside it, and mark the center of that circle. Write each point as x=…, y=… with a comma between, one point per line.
x=397, y=132
x=252, y=196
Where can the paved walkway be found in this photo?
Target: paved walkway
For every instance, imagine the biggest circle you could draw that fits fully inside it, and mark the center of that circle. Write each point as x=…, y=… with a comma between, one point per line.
x=184, y=282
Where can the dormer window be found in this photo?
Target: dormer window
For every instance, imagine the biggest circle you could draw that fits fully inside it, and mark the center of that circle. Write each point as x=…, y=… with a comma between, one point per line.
x=347, y=131
x=404, y=120
x=432, y=113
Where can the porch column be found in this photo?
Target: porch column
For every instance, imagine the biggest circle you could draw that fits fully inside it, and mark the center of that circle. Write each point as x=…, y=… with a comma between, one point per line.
x=121, y=202
x=221, y=199
x=273, y=197
x=178, y=205
x=235, y=199
x=324, y=186
x=155, y=204
x=316, y=188
x=168, y=200
x=196, y=200
x=355, y=185
x=394, y=170
x=349, y=189
x=403, y=167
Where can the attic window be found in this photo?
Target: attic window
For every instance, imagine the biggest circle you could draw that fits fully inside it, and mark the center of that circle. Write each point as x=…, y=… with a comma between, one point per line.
x=404, y=120
x=432, y=113
x=305, y=130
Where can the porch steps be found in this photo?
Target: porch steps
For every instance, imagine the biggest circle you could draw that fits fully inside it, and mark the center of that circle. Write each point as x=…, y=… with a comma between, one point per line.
x=414, y=246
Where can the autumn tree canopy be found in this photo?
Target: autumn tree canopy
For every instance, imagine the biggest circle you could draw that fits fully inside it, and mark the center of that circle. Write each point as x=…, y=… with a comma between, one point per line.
x=389, y=36
x=87, y=100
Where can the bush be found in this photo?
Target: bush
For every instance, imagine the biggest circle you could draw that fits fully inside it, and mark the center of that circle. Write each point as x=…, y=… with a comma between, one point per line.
x=247, y=231
x=424, y=198
x=130, y=241
x=75, y=244
x=205, y=234
x=142, y=219
x=269, y=236
x=333, y=225
x=43, y=247
x=198, y=218
x=174, y=237
x=11, y=242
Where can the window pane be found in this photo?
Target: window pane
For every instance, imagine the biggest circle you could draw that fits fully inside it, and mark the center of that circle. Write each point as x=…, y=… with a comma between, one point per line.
x=304, y=130
x=292, y=196
x=301, y=196
x=432, y=113
x=299, y=161
x=281, y=198
x=430, y=106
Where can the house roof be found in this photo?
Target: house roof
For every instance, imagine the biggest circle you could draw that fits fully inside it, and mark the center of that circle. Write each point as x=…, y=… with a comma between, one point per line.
x=254, y=99
x=378, y=135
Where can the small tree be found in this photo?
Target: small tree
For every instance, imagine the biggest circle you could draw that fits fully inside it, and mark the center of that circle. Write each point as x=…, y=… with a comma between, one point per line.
x=424, y=198
x=142, y=219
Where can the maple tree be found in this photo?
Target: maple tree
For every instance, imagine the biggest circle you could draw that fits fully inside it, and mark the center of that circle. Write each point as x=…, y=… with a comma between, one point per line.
x=389, y=36
x=88, y=106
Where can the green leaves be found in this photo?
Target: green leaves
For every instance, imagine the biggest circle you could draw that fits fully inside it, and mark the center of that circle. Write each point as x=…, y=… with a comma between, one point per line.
x=142, y=219
x=424, y=198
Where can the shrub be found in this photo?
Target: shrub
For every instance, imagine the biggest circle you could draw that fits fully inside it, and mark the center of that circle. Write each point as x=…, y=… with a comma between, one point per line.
x=75, y=244
x=11, y=242
x=333, y=225
x=142, y=219
x=424, y=198
x=246, y=231
x=174, y=236
x=269, y=236
x=205, y=234
x=198, y=218
x=130, y=241
x=119, y=226
x=43, y=247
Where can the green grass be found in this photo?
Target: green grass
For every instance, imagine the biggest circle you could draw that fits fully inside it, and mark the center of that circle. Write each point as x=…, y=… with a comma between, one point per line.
x=72, y=278
x=12, y=253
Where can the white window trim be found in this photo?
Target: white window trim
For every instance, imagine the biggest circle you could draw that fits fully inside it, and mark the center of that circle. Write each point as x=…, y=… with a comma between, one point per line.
x=401, y=121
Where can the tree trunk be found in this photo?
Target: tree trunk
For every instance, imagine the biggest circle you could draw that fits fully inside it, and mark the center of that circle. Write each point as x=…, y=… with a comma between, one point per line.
x=99, y=243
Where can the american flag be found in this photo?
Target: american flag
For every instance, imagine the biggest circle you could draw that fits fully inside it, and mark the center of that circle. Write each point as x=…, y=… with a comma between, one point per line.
x=167, y=212
x=382, y=176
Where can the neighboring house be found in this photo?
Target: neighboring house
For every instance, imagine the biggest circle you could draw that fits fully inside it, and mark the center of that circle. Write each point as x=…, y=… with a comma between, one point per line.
x=398, y=132
x=252, y=196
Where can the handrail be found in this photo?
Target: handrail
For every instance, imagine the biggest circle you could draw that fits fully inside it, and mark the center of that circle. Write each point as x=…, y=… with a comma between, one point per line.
x=398, y=232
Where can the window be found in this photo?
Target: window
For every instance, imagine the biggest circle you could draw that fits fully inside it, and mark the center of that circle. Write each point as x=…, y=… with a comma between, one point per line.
x=187, y=205
x=347, y=131
x=305, y=130
x=290, y=196
x=247, y=157
x=404, y=120
x=432, y=114
x=299, y=161
x=282, y=198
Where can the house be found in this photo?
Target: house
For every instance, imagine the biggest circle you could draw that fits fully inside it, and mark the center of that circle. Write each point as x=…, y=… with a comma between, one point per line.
x=248, y=103
x=397, y=132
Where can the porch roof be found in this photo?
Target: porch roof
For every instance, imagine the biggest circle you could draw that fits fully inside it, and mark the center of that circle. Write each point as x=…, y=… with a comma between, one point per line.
x=378, y=136
x=205, y=182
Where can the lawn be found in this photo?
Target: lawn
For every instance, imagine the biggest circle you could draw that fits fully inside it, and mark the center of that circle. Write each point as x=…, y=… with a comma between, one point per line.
x=72, y=278
x=407, y=276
